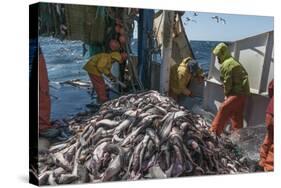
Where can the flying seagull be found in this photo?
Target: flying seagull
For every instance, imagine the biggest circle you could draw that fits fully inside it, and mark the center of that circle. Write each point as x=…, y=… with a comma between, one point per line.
x=223, y=20
x=219, y=19
x=216, y=17
x=190, y=19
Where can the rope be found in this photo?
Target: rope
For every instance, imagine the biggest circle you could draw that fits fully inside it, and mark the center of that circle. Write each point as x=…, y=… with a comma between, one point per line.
x=159, y=24
x=133, y=70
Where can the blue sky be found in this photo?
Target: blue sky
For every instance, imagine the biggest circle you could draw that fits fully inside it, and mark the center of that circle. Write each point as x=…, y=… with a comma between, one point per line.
x=203, y=27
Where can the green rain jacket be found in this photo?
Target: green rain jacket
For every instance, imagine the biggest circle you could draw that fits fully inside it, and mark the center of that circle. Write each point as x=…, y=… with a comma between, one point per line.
x=233, y=74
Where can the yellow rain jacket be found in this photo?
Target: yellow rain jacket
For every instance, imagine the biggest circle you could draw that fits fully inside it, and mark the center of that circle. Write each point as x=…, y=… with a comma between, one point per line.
x=101, y=63
x=180, y=76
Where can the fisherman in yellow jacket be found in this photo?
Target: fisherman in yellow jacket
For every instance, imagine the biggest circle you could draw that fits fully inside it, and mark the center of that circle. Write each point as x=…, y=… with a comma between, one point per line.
x=181, y=75
x=98, y=65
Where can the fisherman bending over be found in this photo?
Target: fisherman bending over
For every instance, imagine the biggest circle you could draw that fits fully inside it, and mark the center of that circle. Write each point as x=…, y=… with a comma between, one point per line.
x=236, y=89
x=98, y=65
x=181, y=75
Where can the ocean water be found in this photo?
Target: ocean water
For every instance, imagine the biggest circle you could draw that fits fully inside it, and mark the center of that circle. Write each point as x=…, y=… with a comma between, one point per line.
x=202, y=51
x=65, y=61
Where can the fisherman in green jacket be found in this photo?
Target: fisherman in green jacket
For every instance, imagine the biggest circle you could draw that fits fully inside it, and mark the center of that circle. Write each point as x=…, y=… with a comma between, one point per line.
x=236, y=89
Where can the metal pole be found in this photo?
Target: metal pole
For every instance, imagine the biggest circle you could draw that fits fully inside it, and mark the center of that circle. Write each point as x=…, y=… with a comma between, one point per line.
x=166, y=51
x=145, y=26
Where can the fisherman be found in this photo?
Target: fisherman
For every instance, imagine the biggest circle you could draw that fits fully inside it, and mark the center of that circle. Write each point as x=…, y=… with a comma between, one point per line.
x=46, y=129
x=267, y=148
x=44, y=97
x=99, y=65
x=181, y=75
x=236, y=89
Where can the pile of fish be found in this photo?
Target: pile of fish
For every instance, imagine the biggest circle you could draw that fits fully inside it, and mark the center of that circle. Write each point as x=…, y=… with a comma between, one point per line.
x=138, y=136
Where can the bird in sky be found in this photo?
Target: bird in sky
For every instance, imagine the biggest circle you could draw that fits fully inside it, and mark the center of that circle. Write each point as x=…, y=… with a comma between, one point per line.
x=222, y=20
x=219, y=19
x=190, y=20
x=216, y=18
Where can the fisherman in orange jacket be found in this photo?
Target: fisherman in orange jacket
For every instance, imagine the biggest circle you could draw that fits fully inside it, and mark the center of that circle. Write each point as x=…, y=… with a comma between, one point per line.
x=98, y=65
x=267, y=148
